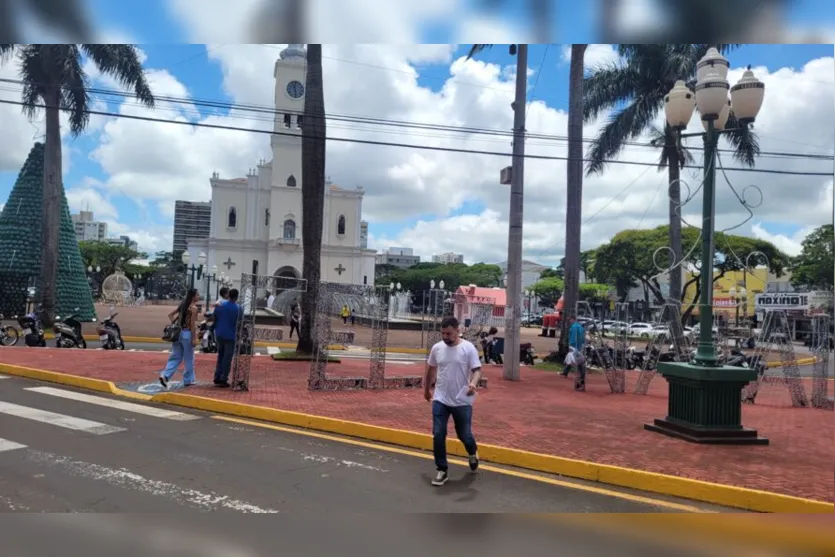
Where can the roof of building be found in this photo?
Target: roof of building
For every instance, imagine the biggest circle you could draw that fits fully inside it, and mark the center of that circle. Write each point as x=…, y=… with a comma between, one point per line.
x=498, y=294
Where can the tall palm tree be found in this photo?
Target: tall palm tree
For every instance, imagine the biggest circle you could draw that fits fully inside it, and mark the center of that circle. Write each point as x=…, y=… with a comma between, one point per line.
x=635, y=88
x=574, y=198
x=53, y=78
x=313, y=193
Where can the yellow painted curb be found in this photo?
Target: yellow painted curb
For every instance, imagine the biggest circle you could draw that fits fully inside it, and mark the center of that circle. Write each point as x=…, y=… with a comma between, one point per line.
x=800, y=362
x=719, y=494
x=88, y=383
x=725, y=495
x=262, y=344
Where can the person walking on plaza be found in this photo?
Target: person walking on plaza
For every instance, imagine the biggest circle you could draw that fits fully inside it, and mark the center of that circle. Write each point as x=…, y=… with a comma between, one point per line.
x=227, y=316
x=295, y=319
x=345, y=313
x=575, y=358
x=182, y=349
x=270, y=299
x=454, y=368
x=222, y=295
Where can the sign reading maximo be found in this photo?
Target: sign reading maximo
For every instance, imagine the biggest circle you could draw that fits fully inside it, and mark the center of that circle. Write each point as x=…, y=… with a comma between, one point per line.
x=802, y=301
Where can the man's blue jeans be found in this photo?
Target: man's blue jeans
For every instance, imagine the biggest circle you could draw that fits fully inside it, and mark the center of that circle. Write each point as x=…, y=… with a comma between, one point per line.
x=462, y=417
x=225, y=353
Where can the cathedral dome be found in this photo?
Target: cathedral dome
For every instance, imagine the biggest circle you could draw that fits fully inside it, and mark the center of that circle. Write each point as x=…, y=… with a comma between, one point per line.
x=294, y=51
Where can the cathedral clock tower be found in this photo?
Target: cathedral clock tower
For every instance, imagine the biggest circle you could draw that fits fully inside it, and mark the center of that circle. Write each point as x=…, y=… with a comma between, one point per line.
x=290, y=73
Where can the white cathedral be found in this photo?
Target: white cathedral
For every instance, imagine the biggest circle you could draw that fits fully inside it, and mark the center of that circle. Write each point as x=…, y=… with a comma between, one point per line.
x=256, y=222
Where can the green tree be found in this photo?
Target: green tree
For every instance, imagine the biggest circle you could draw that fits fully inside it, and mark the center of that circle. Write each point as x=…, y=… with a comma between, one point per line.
x=593, y=292
x=109, y=257
x=313, y=192
x=53, y=78
x=634, y=89
x=418, y=277
x=814, y=268
x=548, y=290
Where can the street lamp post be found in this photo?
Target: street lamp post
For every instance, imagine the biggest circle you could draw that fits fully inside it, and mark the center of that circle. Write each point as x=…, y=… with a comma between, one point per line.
x=739, y=297
x=194, y=269
x=705, y=397
x=213, y=276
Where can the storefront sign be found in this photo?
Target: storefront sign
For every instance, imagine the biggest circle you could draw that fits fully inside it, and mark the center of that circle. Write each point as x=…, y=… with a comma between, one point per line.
x=724, y=302
x=801, y=301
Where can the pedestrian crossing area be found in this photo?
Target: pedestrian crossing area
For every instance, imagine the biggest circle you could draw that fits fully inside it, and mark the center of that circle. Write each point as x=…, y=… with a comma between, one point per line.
x=41, y=409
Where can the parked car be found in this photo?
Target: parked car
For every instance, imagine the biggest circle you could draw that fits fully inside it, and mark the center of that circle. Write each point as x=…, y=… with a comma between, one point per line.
x=643, y=330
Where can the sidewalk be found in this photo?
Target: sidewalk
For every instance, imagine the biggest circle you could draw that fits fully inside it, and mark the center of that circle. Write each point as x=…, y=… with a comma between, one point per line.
x=540, y=414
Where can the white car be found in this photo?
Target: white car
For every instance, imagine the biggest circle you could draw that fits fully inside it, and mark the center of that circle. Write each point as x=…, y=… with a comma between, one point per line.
x=640, y=330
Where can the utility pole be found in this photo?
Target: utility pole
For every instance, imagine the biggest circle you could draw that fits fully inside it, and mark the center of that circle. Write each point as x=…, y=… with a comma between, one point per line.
x=513, y=309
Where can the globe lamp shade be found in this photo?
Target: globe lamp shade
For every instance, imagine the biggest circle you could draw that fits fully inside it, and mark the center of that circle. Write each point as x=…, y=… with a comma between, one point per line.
x=747, y=97
x=711, y=95
x=712, y=60
x=186, y=258
x=722, y=121
x=201, y=259
x=679, y=104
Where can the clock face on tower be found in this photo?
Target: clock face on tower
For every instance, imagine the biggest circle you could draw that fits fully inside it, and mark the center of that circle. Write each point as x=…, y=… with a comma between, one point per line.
x=295, y=89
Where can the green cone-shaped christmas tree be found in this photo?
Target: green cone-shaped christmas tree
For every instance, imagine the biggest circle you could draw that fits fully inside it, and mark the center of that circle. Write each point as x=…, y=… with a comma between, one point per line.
x=20, y=247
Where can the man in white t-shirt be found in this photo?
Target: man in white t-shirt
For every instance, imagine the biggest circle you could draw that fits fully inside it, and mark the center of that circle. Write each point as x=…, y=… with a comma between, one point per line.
x=270, y=300
x=454, y=368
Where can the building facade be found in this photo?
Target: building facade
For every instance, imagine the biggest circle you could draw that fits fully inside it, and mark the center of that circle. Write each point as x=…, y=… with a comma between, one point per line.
x=448, y=258
x=256, y=221
x=192, y=221
x=87, y=228
x=398, y=257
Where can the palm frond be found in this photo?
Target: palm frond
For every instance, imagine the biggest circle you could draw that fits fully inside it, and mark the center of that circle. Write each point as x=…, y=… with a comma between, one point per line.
x=74, y=97
x=629, y=123
x=6, y=51
x=476, y=49
x=121, y=61
x=607, y=86
x=35, y=77
x=745, y=142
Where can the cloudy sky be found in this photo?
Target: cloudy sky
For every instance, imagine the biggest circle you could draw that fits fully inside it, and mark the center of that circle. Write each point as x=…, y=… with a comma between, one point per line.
x=130, y=172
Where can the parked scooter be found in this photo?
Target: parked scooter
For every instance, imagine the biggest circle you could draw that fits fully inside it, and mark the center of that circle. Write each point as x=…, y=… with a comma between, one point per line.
x=208, y=343
x=68, y=332
x=110, y=334
x=9, y=334
x=32, y=328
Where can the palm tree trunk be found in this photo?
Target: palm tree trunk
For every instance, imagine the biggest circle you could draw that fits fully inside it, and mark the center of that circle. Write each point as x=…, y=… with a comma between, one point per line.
x=674, y=193
x=574, y=200
x=313, y=193
x=51, y=213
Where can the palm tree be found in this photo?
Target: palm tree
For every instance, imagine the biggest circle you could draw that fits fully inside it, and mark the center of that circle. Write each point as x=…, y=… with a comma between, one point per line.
x=574, y=198
x=313, y=193
x=53, y=78
x=635, y=89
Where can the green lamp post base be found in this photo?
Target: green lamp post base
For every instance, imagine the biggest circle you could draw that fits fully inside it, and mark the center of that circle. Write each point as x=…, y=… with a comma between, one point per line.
x=705, y=404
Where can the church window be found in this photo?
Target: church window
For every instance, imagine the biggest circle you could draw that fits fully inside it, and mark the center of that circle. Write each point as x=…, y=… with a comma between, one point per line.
x=254, y=266
x=365, y=279
x=289, y=229
x=286, y=120
x=266, y=217
x=340, y=225
x=232, y=218
x=300, y=121
x=291, y=181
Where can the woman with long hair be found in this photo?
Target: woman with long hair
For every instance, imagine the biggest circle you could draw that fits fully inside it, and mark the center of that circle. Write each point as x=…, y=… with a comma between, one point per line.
x=183, y=349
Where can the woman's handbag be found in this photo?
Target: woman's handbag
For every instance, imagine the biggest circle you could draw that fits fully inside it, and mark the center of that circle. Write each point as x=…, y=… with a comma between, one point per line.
x=172, y=331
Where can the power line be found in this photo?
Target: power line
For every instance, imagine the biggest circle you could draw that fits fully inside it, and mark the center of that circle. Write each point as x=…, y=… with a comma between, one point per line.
x=406, y=145
x=273, y=112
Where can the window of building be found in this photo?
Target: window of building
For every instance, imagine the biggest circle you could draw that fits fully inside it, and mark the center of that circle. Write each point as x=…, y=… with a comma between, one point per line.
x=340, y=225
x=254, y=266
x=286, y=120
x=289, y=229
x=365, y=279
x=266, y=217
x=291, y=181
x=232, y=218
x=299, y=121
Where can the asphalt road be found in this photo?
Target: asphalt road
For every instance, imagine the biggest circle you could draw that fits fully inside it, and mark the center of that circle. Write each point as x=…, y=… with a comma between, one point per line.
x=66, y=450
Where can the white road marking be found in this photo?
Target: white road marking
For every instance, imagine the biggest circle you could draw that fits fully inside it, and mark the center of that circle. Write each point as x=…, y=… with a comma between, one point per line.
x=4, y=376
x=121, y=477
x=6, y=445
x=341, y=462
x=60, y=420
x=117, y=404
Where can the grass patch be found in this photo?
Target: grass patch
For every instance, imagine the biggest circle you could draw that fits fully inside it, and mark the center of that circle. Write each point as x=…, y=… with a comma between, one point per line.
x=549, y=366
x=300, y=357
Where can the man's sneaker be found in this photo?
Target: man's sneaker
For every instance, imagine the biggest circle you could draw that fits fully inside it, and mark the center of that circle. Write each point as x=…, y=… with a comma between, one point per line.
x=440, y=478
x=474, y=462
x=163, y=381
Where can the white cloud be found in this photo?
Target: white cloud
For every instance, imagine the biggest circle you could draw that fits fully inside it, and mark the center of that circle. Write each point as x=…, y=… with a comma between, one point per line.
x=158, y=163
x=596, y=54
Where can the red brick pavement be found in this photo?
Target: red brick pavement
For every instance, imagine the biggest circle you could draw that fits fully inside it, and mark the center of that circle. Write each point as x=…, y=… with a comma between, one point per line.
x=541, y=413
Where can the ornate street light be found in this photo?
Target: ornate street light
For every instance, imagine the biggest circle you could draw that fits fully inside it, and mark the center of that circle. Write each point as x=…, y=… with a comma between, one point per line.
x=705, y=397
x=194, y=269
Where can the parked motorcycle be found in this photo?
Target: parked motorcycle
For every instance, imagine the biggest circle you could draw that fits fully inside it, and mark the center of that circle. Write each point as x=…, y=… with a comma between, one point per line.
x=68, y=332
x=110, y=334
x=9, y=334
x=32, y=328
x=208, y=343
